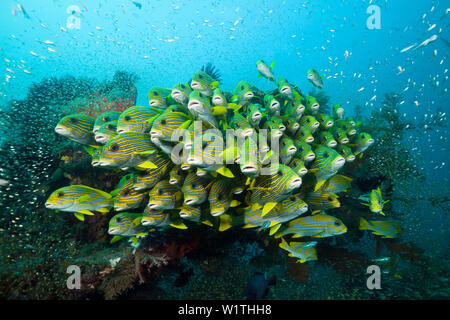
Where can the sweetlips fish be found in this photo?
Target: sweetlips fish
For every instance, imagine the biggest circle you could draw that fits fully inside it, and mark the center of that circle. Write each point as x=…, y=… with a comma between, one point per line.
x=149, y=177
x=303, y=134
x=318, y=226
x=346, y=126
x=304, y=151
x=361, y=142
x=126, y=224
x=346, y=152
x=79, y=199
x=177, y=175
x=338, y=111
x=254, y=114
x=249, y=158
x=309, y=122
x=167, y=122
x=200, y=108
x=204, y=83
x=285, y=89
x=304, y=251
x=161, y=218
x=78, y=128
x=312, y=106
x=326, y=164
x=159, y=97
x=320, y=200
x=273, y=187
x=272, y=105
x=180, y=93
x=339, y=134
x=287, y=149
x=275, y=126
x=121, y=183
x=241, y=126
x=326, y=138
x=295, y=109
x=219, y=98
x=105, y=117
x=95, y=152
x=135, y=119
x=298, y=166
x=385, y=229
x=128, y=198
x=243, y=93
x=265, y=70
x=291, y=125
x=106, y=132
x=325, y=121
x=315, y=78
x=374, y=200
x=129, y=149
x=194, y=214
x=337, y=183
x=164, y=196
x=286, y=210
x=221, y=197
x=195, y=189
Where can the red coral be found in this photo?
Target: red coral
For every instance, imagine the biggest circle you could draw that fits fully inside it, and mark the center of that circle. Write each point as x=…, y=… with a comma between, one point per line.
x=343, y=260
x=298, y=271
x=406, y=250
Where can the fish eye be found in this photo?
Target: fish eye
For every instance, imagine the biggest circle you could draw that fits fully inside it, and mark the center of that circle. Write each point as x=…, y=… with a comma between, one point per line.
x=106, y=119
x=183, y=86
x=179, y=172
x=300, y=148
x=279, y=172
x=194, y=186
x=60, y=194
x=242, y=87
x=200, y=94
x=73, y=120
x=114, y=147
x=155, y=93
x=200, y=76
x=337, y=223
x=126, y=192
x=282, y=143
x=111, y=127
x=118, y=219
x=219, y=197
x=308, y=120
x=330, y=199
x=326, y=154
x=302, y=133
x=362, y=136
x=160, y=192
x=127, y=118
x=292, y=198
x=163, y=122
x=204, y=145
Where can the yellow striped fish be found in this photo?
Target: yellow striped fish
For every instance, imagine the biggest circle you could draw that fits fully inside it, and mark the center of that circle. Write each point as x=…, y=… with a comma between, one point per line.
x=195, y=189
x=128, y=198
x=338, y=183
x=200, y=108
x=106, y=132
x=346, y=152
x=149, y=177
x=159, y=97
x=136, y=119
x=304, y=151
x=160, y=218
x=319, y=226
x=204, y=83
x=166, y=123
x=221, y=197
x=320, y=200
x=194, y=214
x=129, y=149
x=177, y=175
x=326, y=164
x=298, y=166
x=180, y=93
x=78, y=128
x=305, y=251
x=385, y=229
x=126, y=224
x=164, y=196
x=105, y=117
x=79, y=199
x=310, y=123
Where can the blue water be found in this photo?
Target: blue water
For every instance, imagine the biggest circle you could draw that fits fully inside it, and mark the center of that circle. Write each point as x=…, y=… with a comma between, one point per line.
x=165, y=42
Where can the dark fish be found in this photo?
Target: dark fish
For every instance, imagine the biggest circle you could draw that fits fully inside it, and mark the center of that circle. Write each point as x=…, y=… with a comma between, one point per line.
x=183, y=278
x=137, y=4
x=258, y=286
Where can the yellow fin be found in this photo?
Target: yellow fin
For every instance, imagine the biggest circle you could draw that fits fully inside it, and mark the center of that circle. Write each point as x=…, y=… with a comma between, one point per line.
x=268, y=207
x=185, y=124
x=301, y=261
x=178, y=225
x=147, y=165
x=274, y=229
x=256, y=206
x=315, y=212
x=296, y=236
x=225, y=222
x=225, y=172
x=137, y=221
x=103, y=210
x=219, y=110
x=234, y=203
x=141, y=234
x=86, y=212
x=214, y=84
x=79, y=216
x=207, y=222
x=115, y=239
x=283, y=244
x=135, y=240
x=247, y=226
x=319, y=184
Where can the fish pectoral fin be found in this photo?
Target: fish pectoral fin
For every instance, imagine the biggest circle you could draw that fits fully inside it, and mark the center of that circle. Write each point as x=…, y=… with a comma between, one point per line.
x=215, y=84
x=296, y=236
x=319, y=184
x=268, y=207
x=272, y=65
x=86, y=212
x=115, y=239
x=207, y=222
x=147, y=165
x=79, y=216
x=301, y=261
x=178, y=225
x=315, y=212
x=135, y=240
x=143, y=153
x=137, y=221
x=255, y=206
x=274, y=228
x=103, y=210
x=226, y=172
x=219, y=110
x=247, y=226
x=225, y=222
x=141, y=234
x=382, y=213
x=234, y=203
x=365, y=204
x=84, y=198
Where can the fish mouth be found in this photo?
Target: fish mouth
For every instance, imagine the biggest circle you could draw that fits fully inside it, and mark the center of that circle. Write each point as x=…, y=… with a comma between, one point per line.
x=113, y=231
x=195, y=85
x=183, y=214
x=193, y=161
x=119, y=208
x=249, y=169
x=300, y=109
x=344, y=141
x=302, y=172
x=282, y=128
x=217, y=212
x=286, y=90
x=256, y=116
x=350, y=158
x=248, y=95
x=218, y=100
x=329, y=124
x=176, y=94
x=100, y=138
x=155, y=134
x=248, y=132
x=315, y=125
x=94, y=163
x=238, y=190
x=309, y=157
x=119, y=131
x=315, y=106
x=185, y=166
x=49, y=205
x=295, y=183
x=62, y=130
x=190, y=201
x=340, y=161
x=146, y=222
x=370, y=141
x=173, y=181
x=295, y=126
x=351, y=132
x=194, y=105
x=154, y=103
x=95, y=129
x=277, y=133
x=201, y=173
x=309, y=140
x=152, y=206
x=103, y=163
x=310, y=76
x=275, y=105
x=332, y=144
x=291, y=150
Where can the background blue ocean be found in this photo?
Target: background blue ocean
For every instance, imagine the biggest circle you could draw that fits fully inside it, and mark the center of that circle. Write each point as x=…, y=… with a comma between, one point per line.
x=165, y=42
